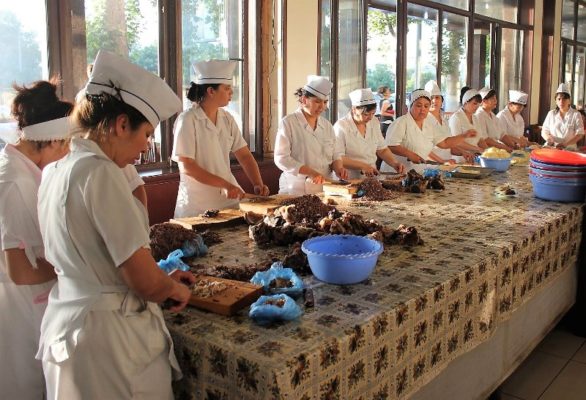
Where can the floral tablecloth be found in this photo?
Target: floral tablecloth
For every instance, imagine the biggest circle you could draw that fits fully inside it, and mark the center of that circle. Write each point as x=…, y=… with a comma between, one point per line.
x=484, y=255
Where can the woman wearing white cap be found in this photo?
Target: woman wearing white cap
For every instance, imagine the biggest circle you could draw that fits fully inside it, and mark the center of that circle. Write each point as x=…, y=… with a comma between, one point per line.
x=103, y=335
x=304, y=147
x=413, y=136
x=359, y=138
x=563, y=127
x=204, y=137
x=465, y=121
x=25, y=276
x=512, y=121
x=488, y=123
x=438, y=118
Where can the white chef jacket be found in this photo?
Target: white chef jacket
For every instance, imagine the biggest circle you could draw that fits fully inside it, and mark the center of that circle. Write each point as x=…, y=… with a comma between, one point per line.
x=297, y=144
x=443, y=128
x=512, y=126
x=459, y=124
x=92, y=318
x=132, y=176
x=21, y=306
x=209, y=145
x=405, y=132
x=351, y=143
x=489, y=124
x=562, y=129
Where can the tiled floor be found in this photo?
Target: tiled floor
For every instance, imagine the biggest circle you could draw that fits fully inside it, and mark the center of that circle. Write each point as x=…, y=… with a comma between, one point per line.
x=556, y=370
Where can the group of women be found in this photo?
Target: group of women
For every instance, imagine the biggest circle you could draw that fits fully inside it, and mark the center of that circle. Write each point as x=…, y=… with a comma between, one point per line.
x=78, y=285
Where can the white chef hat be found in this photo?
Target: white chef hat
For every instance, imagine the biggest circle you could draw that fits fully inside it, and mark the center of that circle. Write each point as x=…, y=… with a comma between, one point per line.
x=418, y=93
x=433, y=88
x=470, y=93
x=563, y=88
x=55, y=129
x=214, y=72
x=362, y=97
x=485, y=91
x=319, y=86
x=137, y=87
x=517, y=96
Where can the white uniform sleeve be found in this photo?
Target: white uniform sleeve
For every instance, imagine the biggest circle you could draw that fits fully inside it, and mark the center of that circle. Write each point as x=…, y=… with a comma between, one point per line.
x=114, y=213
x=184, y=137
x=547, y=126
x=340, y=146
x=131, y=174
x=16, y=224
x=396, y=132
x=455, y=125
x=337, y=153
x=282, y=155
x=579, y=124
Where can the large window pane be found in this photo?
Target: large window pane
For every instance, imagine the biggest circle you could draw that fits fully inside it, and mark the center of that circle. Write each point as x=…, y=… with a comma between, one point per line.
x=349, y=50
x=463, y=4
x=453, y=62
x=325, y=44
x=567, y=65
x=568, y=12
x=580, y=78
x=381, y=56
x=422, y=28
x=582, y=22
x=505, y=10
x=511, y=63
x=481, y=65
x=23, y=45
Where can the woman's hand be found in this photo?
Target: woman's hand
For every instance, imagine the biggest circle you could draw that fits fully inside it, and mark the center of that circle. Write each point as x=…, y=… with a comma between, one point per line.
x=369, y=170
x=341, y=172
x=180, y=296
x=470, y=133
x=262, y=190
x=234, y=192
x=316, y=179
x=399, y=167
x=185, y=277
x=416, y=158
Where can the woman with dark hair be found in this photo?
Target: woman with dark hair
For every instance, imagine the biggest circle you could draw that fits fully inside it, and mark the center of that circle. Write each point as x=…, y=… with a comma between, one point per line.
x=359, y=139
x=205, y=135
x=385, y=107
x=103, y=335
x=438, y=117
x=488, y=123
x=563, y=127
x=465, y=121
x=512, y=122
x=304, y=147
x=26, y=277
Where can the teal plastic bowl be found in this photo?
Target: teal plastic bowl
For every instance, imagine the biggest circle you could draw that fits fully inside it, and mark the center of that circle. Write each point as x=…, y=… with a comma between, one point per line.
x=498, y=164
x=342, y=259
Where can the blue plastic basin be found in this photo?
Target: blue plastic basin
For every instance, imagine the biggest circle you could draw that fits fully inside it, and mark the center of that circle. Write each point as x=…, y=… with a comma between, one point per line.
x=557, y=190
x=498, y=164
x=342, y=259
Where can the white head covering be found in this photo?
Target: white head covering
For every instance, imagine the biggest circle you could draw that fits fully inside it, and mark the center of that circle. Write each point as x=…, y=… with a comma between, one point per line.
x=470, y=93
x=137, y=87
x=55, y=129
x=319, y=86
x=433, y=88
x=214, y=72
x=418, y=93
x=517, y=96
x=362, y=97
x=563, y=88
x=484, y=91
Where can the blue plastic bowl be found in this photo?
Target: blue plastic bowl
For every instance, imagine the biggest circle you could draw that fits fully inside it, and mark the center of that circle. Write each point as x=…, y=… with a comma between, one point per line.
x=557, y=174
x=498, y=164
x=342, y=259
x=557, y=190
x=556, y=167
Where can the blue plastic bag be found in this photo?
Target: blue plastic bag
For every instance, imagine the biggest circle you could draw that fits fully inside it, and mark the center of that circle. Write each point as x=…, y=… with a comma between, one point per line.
x=277, y=307
x=429, y=173
x=265, y=278
x=173, y=262
x=195, y=247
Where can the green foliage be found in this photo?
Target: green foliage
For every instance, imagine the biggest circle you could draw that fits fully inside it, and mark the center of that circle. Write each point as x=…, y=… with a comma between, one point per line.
x=453, y=48
x=425, y=76
x=21, y=60
x=380, y=75
x=381, y=23
x=147, y=57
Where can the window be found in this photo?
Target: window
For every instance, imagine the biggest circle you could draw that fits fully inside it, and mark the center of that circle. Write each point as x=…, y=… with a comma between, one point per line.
x=511, y=63
x=572, y=63
x=463, y=4
x=23, y=45
x=568, y=19
x=505, y=10
x=453, y=61
x=582, y=22
x=422, y=27
x=580, y=81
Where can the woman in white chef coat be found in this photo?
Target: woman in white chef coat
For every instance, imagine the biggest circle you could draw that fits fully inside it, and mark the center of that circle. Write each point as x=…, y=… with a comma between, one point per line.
x=512, y=122
x=359, y=138
x=488, y=123
x=413, y=136
x=304, y=147
x=563, y=127
x=438, y=118
x=103, y=335
x=464, y=120
x=205, y=135
x=25, y=276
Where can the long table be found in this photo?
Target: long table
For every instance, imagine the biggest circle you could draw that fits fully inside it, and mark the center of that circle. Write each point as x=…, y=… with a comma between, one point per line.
x=484, y=257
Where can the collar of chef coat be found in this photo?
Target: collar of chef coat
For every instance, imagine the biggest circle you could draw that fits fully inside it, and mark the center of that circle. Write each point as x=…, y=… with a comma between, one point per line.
x=87, y=146
x=200, y=114
x=301, y=118
x=23, y=164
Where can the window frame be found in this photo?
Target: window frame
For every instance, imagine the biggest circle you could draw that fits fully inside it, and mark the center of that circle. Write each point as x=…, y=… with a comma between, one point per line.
x=575, y=43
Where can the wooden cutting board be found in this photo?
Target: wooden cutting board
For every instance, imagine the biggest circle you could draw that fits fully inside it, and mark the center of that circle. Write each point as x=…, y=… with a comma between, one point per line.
x=227, y=217
x=234, y=295
x=350, y=188
x=263, y=205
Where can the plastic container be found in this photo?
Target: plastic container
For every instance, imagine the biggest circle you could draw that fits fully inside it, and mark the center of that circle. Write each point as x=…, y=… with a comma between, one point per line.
x=498, y=164
x=342, y=259
x=556, y=167
x=558, y=174
x=558, y=157
x=556, y=190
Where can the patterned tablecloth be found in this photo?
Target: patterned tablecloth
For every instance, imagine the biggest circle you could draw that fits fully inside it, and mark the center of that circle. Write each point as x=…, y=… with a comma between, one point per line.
x=483, y=257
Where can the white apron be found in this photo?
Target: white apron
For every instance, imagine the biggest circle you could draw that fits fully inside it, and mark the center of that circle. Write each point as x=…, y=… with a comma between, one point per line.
x=194, y=198
x=97, y=341
x=21, y=306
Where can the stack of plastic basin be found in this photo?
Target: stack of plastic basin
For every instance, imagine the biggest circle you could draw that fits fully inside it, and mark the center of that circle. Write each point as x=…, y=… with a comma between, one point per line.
x=558, y=175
